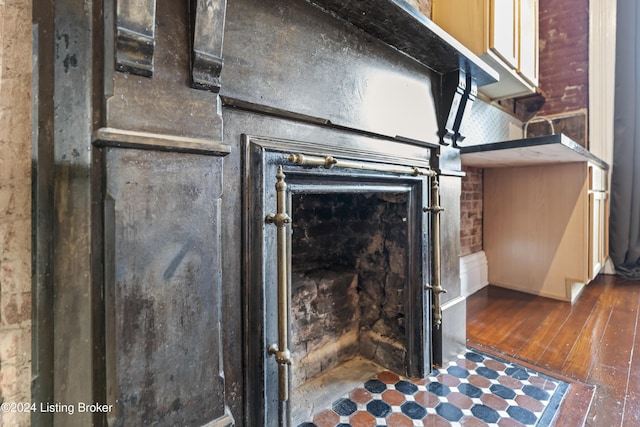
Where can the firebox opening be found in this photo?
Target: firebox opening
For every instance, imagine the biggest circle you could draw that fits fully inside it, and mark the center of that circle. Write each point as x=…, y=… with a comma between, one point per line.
x=349, y=275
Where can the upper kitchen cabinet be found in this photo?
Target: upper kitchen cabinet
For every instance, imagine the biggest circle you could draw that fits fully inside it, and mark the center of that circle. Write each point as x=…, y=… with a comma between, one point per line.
x=504, y=33
x=528, y=58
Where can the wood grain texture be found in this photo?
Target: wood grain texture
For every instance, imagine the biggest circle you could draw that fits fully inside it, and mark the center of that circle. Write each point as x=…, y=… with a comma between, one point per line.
x=592, y=341
x=467, y=21
x=536, y=228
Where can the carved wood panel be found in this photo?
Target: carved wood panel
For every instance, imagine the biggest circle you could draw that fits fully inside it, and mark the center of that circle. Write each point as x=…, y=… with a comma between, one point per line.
x=135, y=36
x=163, y=285
x=208, y=33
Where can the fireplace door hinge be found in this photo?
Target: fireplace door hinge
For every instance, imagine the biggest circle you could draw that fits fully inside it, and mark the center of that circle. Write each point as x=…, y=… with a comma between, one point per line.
x=281, y=349
x=436, y=288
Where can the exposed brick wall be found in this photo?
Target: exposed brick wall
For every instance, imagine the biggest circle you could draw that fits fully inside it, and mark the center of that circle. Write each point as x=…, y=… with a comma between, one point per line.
x=471, y=208
x=15, y=207
x=564, y=55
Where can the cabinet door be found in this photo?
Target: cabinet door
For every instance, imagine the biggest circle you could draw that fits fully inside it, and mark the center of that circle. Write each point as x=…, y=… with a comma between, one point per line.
x=503, y=38
x=528, y=64
x=597, y=230
x=467, y=21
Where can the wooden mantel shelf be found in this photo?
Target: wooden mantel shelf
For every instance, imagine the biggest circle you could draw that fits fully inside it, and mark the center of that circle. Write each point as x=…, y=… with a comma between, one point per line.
x=402, y=26
x=541, y=150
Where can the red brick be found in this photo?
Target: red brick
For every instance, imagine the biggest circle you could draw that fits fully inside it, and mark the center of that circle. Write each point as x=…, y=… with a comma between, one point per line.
x=471, y=211
x=564, y=55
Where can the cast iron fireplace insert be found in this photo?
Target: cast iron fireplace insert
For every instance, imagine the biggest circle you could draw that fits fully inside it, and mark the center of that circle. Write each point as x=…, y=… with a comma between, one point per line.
x=361, y=295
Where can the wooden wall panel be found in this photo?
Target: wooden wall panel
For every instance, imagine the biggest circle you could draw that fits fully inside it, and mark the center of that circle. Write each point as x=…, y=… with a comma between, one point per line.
x=535, y=227
x=163, y=282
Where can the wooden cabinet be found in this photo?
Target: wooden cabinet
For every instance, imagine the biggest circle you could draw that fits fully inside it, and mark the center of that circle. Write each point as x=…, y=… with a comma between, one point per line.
x=504, y=33
x=545, y=227
x=598, y=225
x=528, y=59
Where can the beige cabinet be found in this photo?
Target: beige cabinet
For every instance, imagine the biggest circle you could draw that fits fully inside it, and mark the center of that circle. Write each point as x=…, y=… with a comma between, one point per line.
x=528, y=59
x=504, y=33
x=545, y=227
x=598, y=224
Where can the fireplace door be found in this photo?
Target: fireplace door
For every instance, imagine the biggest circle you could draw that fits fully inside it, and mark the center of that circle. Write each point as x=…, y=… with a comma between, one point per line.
x=338, y=277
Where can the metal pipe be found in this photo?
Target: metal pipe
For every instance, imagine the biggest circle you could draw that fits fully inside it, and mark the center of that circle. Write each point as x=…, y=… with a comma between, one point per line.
x=329, y=162
x=281, y=350
x=436, y=288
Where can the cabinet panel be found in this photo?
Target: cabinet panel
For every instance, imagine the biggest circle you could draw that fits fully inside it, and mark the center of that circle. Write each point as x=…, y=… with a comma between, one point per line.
x=503, y=36
x=545, y=228
x=597, y=179
x=504, y=33
x=536, y=228
x=597, y=232
x=528, y=59
x=464, y=20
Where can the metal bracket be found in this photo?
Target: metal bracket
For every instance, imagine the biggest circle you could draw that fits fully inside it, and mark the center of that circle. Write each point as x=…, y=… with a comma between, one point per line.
x=459, y=91
x=282, y=357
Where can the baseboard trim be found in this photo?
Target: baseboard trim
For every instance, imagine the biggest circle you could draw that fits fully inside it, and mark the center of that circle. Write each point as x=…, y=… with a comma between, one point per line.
x=569, y=292
x=451, y=338
x=474, y=273
x=574, y=289
x=609, y=268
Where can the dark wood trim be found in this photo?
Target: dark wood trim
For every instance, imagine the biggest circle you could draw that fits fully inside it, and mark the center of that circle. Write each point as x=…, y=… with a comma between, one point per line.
x=109, y=137
x=42, y=293
x=402, y=26
x=318, y=121
x=208, y=33
x=135, y=36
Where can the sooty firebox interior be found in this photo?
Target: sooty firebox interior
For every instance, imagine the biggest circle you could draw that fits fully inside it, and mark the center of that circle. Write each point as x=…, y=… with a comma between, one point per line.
x=349, y=272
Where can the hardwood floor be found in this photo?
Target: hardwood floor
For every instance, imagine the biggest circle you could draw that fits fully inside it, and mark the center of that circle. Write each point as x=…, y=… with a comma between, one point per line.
x=593, y=340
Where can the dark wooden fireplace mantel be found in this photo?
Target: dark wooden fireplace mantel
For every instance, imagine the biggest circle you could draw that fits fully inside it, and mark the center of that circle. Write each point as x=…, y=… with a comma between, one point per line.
x=400, y=25
x=148, y=282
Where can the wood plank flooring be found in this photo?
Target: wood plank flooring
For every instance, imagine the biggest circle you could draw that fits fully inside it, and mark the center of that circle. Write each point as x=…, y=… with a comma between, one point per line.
x=593, y=340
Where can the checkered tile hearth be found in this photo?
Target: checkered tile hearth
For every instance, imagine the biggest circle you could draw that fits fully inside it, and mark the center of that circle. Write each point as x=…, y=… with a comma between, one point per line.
x=474, y=390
